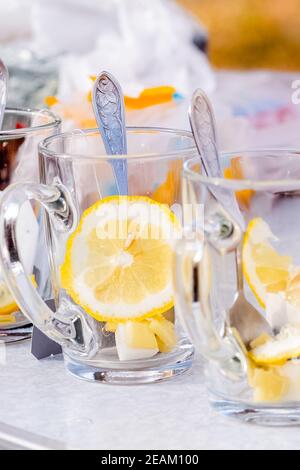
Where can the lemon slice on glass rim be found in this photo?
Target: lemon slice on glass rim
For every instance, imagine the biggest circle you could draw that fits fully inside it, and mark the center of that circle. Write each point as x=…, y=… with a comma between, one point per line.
x=118, y=262
x=265, y=270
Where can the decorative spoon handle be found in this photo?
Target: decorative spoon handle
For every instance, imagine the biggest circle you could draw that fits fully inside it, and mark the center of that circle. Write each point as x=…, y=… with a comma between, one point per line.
x=109, y=109
x=202, y=119
x=3, y=90
x=204, y=130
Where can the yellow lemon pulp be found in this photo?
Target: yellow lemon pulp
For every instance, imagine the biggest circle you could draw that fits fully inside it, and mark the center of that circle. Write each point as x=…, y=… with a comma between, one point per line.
x=265, y=270
x=118, y=267
x=140, y=333
x=269, y=385
x=165, y=333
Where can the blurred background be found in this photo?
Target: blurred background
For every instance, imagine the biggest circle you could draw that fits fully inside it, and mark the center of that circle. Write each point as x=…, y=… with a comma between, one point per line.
x=249, y=34
x=245, y=54
x=243, y=34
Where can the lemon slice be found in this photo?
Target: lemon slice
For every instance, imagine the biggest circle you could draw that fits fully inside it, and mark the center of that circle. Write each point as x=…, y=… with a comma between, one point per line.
x=265, y=270
x=118, y=262
x=7, y=302
x=278, y=350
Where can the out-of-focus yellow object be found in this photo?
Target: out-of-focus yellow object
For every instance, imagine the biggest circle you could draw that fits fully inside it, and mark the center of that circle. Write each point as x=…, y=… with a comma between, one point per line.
x=7, y=302
x=148, y=97
x=111, y=327
x=7, y=318
x=235, y=172
x=51, y=101
x=151, y=97
x=250, y=34
x=166, y=192
x=80, y=111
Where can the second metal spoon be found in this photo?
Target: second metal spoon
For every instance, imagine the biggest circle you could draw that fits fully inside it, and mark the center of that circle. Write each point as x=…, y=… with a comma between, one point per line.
x=242, y=315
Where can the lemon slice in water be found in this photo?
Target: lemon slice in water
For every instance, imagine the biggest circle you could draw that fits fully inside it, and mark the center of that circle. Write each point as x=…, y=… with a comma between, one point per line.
x=265, y=270
x=118, y=262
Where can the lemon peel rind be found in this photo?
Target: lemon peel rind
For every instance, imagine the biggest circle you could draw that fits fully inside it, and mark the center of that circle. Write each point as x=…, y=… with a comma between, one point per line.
x=66, y=267
x=246, y=244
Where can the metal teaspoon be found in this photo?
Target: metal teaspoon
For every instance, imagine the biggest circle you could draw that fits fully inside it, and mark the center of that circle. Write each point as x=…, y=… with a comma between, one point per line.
x=109, y=110
x=242, y=315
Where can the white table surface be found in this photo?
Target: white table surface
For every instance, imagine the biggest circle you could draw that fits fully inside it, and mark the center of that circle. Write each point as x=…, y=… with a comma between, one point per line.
x=40, y=397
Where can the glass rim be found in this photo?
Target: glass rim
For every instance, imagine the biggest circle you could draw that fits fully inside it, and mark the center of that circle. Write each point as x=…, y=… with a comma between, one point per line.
x=189, y=151
x=55, y=121
x=241, y=184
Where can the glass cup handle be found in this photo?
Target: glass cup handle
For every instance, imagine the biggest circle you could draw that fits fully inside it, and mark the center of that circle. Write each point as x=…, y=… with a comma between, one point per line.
x=72, y=330
x=192, y=285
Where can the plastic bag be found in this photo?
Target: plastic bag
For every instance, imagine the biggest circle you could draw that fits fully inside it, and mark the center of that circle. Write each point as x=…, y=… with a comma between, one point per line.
x=143, y=43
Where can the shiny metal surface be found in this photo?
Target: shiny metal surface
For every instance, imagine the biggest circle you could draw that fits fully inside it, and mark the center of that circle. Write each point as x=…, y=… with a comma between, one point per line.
x=109, y=109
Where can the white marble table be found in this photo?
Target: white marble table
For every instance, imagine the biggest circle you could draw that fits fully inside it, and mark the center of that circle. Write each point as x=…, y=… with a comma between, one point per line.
x=49, y=408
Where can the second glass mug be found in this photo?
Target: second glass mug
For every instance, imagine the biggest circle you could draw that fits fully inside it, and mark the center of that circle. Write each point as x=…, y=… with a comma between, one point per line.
x=79, y=190
x=255, y=379
x=21, y=132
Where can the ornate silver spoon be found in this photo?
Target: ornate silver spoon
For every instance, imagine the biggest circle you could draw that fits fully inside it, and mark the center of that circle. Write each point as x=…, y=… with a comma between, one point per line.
x=203, y=126
x=242, y=315
x=3, y=90
x=109, y=109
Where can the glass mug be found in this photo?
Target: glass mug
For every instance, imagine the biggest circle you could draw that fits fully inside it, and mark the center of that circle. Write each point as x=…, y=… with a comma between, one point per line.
x=21, y=132
x=256, y=377
x=111, y=276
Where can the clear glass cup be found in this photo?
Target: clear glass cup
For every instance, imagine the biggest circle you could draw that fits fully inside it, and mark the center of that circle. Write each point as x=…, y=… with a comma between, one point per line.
x=258, y=379
x=116, y=324
x=21, y=132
